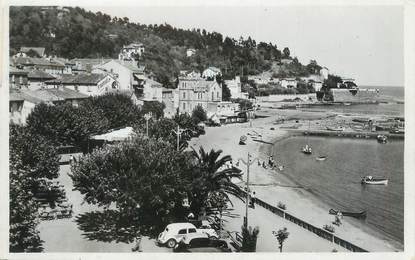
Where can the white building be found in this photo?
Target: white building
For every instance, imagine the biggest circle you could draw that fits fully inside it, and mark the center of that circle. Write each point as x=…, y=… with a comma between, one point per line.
x=324, y=72
x=317, y=85
x=234, y=86
x=288, y=83
x=198, y=92
x=148, y=89
x=211, y=73
x=226, y=109
x=129, y=51
x=171, y=101
x=124, y=72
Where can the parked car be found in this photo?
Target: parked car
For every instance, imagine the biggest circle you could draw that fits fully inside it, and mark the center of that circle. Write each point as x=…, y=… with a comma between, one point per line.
x=201, y=244
x=48, y=215
x=174, y=233
x=204, y=226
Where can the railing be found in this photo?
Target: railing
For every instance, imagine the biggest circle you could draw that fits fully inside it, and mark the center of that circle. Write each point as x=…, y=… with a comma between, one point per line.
x=316, y=230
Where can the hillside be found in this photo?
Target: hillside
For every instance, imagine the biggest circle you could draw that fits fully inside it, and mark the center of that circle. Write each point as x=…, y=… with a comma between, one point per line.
x=76, y=33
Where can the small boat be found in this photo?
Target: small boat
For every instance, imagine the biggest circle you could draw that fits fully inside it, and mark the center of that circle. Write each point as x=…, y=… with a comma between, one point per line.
x=242, y=140
x=321, y=158
x=382, y=138
x=307, y=149
x=374, y=181
x=360, y=215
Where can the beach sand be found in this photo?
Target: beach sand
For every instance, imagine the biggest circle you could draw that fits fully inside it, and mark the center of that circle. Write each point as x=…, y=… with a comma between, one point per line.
x=273, y=187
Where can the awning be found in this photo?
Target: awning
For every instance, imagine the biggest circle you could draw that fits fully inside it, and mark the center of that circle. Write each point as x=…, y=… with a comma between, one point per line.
x=117, y=135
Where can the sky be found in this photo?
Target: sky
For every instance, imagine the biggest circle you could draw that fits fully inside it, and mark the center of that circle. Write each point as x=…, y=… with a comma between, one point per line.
x=360, y=42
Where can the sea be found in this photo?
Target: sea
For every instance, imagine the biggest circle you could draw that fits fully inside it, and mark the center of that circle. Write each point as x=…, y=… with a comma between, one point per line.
x=336, y=181
x=392, y=104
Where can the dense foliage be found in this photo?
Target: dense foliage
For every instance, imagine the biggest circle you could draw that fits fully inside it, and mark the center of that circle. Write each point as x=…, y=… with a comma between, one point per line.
x=75, y=32
x=31, y=159
x=64, y=124
x=148, y=180
x=155, y=108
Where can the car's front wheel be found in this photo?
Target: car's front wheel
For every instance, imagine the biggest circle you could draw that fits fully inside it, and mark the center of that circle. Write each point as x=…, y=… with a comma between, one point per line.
x=171, y=243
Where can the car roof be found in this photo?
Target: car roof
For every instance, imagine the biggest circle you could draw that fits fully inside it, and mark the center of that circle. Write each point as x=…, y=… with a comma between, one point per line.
x=180, y=225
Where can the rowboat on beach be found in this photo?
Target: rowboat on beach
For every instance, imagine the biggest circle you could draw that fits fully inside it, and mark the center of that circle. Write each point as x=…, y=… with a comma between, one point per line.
x=242, y=140
x=360, y=215
x=374, y=181
x=321, y=158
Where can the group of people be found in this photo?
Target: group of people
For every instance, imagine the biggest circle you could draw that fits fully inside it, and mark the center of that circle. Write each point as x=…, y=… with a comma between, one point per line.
x=271, y=164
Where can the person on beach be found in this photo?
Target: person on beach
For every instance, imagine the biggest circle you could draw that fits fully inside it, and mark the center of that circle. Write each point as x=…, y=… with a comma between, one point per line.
x=264, y=165
x=271, y=162
x=252, y=200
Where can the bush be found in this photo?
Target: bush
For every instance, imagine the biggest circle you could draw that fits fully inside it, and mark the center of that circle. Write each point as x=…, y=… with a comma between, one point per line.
x=199, y=115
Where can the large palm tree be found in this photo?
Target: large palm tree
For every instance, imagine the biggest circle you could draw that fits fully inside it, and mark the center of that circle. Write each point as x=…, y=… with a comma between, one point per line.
x=213, y=177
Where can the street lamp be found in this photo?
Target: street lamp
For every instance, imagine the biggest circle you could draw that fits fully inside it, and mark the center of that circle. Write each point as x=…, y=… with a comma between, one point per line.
x=248, y=163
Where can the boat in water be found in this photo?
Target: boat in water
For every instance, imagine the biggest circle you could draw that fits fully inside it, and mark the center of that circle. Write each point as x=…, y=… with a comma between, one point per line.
x=321, y=158
x=374, y=181
x=307, y=149
x=382, y=138
x=360, y=215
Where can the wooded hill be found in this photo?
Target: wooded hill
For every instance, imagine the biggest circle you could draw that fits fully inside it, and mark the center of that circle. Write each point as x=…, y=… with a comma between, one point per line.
x=76, y=33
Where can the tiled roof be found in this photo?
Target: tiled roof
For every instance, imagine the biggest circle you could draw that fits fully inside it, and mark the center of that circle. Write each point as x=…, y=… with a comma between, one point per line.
x=38, y=50
x=23, y=60
x=134, y=45
x=45, y=95
x=39, y=74
x=214, y=69
x=79, y=79
x=147, y=80
x=46, y=62
x=21, y=95
x=65, y=93
x=131, y=65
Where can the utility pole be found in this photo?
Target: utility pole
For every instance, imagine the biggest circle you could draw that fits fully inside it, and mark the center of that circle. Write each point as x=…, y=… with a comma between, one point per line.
x=248, y=163
x=147, y=117
x=178, y=133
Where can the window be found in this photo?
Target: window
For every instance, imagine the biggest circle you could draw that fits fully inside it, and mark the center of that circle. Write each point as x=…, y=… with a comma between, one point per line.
x=184, y=106
x=192, y=230
x=217, y=94
x=184, y=95
x=13, y=78
x=213, y=95
x=182, y=231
